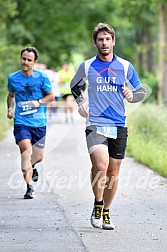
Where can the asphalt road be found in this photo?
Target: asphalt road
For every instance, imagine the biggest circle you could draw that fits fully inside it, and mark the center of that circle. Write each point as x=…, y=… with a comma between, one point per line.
x=58, y=219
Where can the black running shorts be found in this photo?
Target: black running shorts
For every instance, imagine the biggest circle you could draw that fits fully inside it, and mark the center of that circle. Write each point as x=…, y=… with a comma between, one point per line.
x=116, y=147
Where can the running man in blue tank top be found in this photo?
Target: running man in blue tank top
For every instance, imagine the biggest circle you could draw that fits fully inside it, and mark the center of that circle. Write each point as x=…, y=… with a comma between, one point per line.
x=29, y=91
x=111, y=82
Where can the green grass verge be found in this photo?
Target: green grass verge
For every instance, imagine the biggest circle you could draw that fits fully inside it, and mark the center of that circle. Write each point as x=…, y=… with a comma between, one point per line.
x=5, y=123
x=147, y=141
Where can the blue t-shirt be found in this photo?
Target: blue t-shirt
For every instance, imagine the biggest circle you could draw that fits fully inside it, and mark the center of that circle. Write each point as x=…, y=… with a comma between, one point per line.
x=105, y=81
x=26, y=89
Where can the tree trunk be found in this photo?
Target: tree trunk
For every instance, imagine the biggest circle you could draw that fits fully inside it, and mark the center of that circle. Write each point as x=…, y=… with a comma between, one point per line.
x=162, y=85
x=150, y=52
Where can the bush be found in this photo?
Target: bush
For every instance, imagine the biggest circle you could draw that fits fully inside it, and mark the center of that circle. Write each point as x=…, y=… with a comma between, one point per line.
x=151, y=80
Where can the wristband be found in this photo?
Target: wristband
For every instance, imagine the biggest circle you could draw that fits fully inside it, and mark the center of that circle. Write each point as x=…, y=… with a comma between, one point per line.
x=40, y=101
x=10, y=109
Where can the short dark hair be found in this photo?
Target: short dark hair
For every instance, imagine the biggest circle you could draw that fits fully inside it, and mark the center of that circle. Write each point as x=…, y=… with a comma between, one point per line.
x=30, y=49
x=103, y=27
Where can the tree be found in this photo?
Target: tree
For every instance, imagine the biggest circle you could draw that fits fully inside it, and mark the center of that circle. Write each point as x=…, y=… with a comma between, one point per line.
x=58, y=28
x=143, y=17
x=8, y=52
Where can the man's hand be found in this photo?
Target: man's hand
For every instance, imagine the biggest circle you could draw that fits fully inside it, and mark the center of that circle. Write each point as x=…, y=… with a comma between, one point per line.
x=83, y=109
x=34, y=104
x=128, y=94
x=10, y=113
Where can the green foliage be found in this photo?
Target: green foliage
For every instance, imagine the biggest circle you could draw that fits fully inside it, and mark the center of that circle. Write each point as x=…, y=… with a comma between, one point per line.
x=147, y=141
x=10, y=63
x=53, y=27
x=8, y=51
x=8, y=9
x=60, y=28
x=151, y=80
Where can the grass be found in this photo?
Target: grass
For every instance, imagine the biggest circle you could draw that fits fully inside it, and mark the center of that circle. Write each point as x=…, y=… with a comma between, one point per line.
x=5, y=122
x=147, y=141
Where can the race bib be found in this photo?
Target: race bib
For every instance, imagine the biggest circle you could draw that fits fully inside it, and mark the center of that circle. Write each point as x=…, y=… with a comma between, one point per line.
x=25, y=108
x=110, y=132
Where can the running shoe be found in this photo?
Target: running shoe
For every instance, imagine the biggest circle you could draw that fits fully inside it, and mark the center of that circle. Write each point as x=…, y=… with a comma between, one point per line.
x=30, y=194
x=96, y=217
x=35, y=175
x=107, y=224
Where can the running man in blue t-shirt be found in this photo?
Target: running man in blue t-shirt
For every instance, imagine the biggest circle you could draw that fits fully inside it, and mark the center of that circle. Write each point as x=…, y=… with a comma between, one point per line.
x=29, y=91
x=111, y=82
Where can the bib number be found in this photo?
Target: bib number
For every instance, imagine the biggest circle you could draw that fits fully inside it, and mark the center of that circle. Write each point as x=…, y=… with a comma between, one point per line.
x=110, y=132
x=25, y=108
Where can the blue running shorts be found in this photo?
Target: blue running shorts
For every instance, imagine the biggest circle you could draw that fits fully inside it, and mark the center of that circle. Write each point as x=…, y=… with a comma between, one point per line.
x=36, y=135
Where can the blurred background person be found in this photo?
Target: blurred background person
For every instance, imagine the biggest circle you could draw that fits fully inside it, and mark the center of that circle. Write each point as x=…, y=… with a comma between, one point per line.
x=65, y=75
x=53, y=106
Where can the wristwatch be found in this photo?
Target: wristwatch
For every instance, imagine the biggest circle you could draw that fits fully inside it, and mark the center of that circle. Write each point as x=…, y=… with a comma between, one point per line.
x=40, y=101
